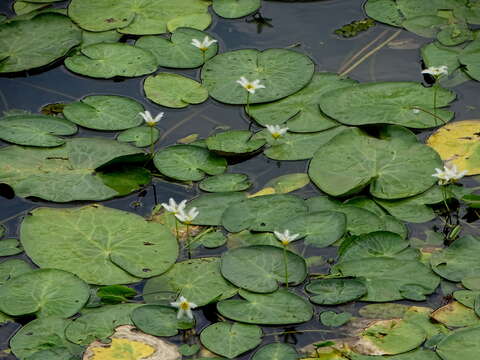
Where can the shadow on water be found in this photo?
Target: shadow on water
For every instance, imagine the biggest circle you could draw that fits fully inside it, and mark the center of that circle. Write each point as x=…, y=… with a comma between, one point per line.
x=304, y=25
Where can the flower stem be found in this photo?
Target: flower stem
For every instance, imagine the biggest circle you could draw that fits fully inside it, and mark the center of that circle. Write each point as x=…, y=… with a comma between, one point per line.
x=430, y=113
x=435, y=88
x=176, y=228
x=285, y=261
x=248, y=104
x=204, y=56
x=152, y=147
x=188, y=242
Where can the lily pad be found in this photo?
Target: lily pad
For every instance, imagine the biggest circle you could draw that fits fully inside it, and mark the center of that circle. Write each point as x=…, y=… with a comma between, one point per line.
x=178, y=51
x=198, y=21
x=24, y=7
x=282, y=72
x=225, y=183
x=64, y=173
x=10, y=247
x=394, y=166
x=213, y=240
x=335, y=291
x=469, y=57
x=173, y=90
x=232, y=9
x=285, y=184
x=460, y=344
x=108, y=60
x=105, y=112
x=234, y=142
x=385, y=11
x=140, y=136
x=158, y=320
x=230, y=339
x=12, y=268
x=261, y=268
x=99, y=323
x=458, y=144
x=333, y=319
x=198, y=280
x=37, y=292
x=300, y=112
x=455, y=314
x=212, y=206
x=388, y=103
x=35, y=130
x=263, y=213
x=276, y=351
x=278, y=308
x=188, y=162
x=90, y=37
x=42, y=335
x=118, y=247
x=37, y=42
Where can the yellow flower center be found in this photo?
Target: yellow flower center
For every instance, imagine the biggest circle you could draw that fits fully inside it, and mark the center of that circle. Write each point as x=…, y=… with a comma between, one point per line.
x=249, y=86
x=184, y=305
x=285, y=242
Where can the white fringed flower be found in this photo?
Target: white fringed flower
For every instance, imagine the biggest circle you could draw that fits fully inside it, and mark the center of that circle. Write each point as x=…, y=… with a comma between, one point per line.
x=250, y=86
x=149, y=119
x=187, y=217
x=448, y=175
x=285, y=238
x=203, y=45
x=436, y=71
x=173, y=207
x=276, y=130
x=184, y=307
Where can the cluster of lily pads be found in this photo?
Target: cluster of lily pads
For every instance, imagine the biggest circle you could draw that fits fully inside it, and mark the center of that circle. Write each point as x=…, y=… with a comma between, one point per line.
x=373, y=172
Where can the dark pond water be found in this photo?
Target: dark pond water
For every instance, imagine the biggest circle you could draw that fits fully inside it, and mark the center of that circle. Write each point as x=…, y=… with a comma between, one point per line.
x=306, y=25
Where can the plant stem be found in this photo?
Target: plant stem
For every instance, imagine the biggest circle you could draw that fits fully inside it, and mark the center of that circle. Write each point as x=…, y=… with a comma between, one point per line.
x=188, y=241
x=430, y=113
x=248, y=104
x=176, y=229
x=435, y=88
x=152, y=147
x=204, y=57
x=285, y=261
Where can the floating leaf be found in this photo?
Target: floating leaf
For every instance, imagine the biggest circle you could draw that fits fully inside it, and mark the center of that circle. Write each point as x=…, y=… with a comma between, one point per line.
x=385, y=11
x=189, y=350
x=263, y=213
x=333, y=319
x=459, y=144
x=230, y=339
x=119, y=247
x=23, y=7
x=38, y=292
x=64, y=173
x=278, y=308
x=225, y=183
x=455, y=314
x=90, y=37
x=99, y=323
x=178, y=51
x=114, y=294
x=141, y=136
x=106, y=61
x=129, y=18
x=436, y=54
x=261, y=268
x=213, y=240
x=276, y=351
x=335, y=291
x=173, y=90
x=37, y=42
x=198, y=21
x=388, y=103
x=460, y=344
x=383, y=311
x=10, y=247
x=287, y=183
x=12, y=268
x=282, y=72
x=212, y=206
x=234, y=142
x=469, y=58
x=198, y=280
x=232, y=9
x=300, y=112
x=188, y=162
x=105, y=112
x=394, y=166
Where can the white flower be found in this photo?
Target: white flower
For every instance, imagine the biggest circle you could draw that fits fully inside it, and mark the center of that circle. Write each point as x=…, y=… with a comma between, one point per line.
x=187, y=217
x=276, y=130
x=250, y=86
x=184, y=307
x=285, y=238
x=436, y=71
x=416, y=111
x=173, y=207
x=449, y=174
x=203, y=45
x=149, y=119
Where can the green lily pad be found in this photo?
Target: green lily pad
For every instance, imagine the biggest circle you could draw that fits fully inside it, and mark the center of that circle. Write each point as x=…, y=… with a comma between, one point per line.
x=198, y=21
x=333, y=319
x=212, y=206
x=64, y=173
x=458, y=261
x=99, y=323
x=282, y=72
x=12, y=268
x=233, y=9
x=225, y=183
x=285, y=184
x=158, y=320
x=105, y=112
x=174, y=91
x=234, y=142
x=38, y=292
x=320, y=229
x=140, y=136
x=262, y=213
x=335, y=291
x=115, y=294
x=10, y=247
x=261, y=268
x=35, y=130
x=388, y=103
x=213, y=240
x=149, y=17
x=178, y=51
x=385, y=11
x=460, y=344
x=24, y=7
x=469, y=58
x=394, y=166
x=44, y=334
x=107, y=60
x=455, y=314
x=278, y=308
x=230, y=339
x=126, y=178
x=119, y=247
x=436, y=54
x=425, y=25
x=276, y=351
x=383, y=311
x=188, y=162
x=189, y=350
x=198, y=280
x=247, y=238
x=90, y=37
x=466, y=297
x=37, y=42
x=300, y=112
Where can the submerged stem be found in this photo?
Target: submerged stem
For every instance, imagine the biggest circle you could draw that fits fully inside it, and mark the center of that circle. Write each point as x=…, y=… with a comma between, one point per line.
x=435, y=88
x=152, y=147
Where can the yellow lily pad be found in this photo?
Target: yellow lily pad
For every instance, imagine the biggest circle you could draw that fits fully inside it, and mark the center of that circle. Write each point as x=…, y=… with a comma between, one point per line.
x=459, y=144
x=455, y=314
